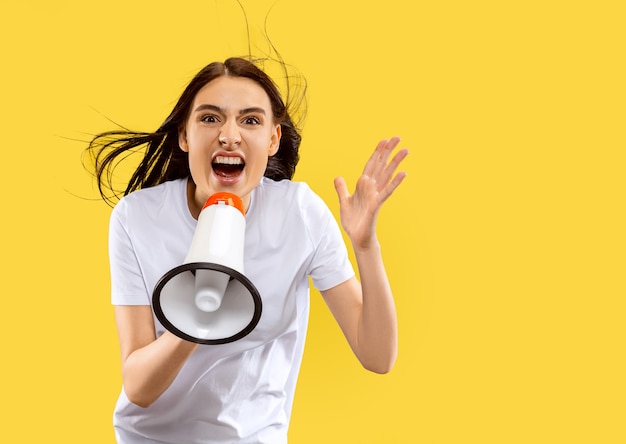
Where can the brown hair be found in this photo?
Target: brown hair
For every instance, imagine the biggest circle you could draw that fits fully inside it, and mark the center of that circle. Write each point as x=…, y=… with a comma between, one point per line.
x=163, y=160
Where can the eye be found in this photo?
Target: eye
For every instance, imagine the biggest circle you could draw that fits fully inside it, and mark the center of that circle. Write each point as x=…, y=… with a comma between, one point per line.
x=209, y=118
x=251, y=120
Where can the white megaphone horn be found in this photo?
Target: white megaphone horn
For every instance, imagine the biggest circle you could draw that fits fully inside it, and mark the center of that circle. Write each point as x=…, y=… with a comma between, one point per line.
x=208, y=299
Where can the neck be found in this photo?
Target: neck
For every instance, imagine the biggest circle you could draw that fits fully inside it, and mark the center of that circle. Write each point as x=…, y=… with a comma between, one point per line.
x=195, y=206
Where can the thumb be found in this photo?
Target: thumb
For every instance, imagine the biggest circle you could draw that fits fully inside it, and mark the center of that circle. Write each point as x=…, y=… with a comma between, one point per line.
x=341, y=188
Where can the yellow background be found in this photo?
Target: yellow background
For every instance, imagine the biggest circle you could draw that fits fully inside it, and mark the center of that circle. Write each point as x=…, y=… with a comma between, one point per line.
x=505, y=245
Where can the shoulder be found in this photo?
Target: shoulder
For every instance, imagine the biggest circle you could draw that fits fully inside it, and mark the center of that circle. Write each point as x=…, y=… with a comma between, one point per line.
x=288, y=208
x=288, y=195
x=152, y=202
x=153, y=195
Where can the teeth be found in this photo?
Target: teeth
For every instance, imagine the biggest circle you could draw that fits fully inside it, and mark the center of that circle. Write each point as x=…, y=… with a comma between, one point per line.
x=227, y=160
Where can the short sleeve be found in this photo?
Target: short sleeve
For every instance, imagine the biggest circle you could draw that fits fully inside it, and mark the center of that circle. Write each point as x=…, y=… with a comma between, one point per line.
x=127, y=283
x=330, y=265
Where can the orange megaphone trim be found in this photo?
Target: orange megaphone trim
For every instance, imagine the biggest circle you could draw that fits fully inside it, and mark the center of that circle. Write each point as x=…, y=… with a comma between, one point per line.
x=227, y=198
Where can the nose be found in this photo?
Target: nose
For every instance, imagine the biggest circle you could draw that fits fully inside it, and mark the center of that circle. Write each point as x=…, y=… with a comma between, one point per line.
x=229, y=134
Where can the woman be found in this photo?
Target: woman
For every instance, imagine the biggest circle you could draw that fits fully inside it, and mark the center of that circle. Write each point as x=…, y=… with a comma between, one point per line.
x=231, y=131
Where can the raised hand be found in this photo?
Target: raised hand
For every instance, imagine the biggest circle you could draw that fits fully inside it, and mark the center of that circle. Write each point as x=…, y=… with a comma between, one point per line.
x=359, y=211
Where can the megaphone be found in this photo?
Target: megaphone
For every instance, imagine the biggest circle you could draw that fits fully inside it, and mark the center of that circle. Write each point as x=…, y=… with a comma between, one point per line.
x=208, y=299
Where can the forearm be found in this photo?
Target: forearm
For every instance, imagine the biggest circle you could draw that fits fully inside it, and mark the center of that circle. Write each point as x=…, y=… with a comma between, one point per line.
x=377, y=332
x=148, y=371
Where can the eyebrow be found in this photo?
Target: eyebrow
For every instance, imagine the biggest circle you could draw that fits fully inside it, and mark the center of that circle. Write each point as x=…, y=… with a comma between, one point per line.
x=254, y=109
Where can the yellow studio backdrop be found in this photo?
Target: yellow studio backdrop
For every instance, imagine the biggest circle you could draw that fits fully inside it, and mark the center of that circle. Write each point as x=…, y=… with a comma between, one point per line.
x=505, y=245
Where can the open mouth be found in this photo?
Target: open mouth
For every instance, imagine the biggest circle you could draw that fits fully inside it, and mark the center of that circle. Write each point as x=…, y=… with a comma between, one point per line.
x=228, y=166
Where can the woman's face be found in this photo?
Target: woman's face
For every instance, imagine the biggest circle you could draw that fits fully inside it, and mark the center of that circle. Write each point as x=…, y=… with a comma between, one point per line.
x=229, y=135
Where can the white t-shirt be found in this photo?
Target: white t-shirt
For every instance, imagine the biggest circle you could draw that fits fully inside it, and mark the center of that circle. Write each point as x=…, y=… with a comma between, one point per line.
x=241, y=391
